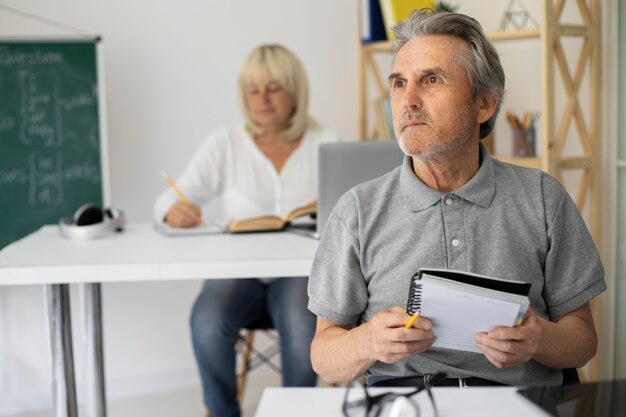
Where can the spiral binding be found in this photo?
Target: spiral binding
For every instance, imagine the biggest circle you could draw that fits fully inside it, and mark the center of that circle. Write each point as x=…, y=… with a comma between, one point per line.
x=414, y=303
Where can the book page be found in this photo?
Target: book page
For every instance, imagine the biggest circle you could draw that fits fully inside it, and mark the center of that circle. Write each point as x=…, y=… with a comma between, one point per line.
x=310, y=208
x=457, y=315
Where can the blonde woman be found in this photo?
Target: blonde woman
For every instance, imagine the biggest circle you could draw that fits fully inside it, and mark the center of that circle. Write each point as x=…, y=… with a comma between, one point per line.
x=268, y=164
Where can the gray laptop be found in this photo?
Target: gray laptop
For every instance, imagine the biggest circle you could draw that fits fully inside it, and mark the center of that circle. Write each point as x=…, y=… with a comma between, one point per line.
x=342, y=166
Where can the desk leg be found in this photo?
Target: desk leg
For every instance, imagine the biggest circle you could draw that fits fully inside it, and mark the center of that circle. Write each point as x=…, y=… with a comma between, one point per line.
x=96, y=405
x=64, y=383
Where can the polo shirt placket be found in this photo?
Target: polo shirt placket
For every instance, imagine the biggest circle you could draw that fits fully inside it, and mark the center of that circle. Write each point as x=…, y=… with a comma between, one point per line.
x=456, y=242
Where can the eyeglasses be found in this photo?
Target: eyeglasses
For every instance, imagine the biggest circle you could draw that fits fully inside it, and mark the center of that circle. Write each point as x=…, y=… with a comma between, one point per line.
x=358, y=402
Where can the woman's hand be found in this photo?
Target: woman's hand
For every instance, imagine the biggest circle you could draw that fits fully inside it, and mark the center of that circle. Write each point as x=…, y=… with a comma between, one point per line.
x=183, y=215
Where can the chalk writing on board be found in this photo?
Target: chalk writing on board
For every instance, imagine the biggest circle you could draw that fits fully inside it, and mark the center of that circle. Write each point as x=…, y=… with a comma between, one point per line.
x=46, y=180
x=48, y=176
x=13, y=176
x=80, y=100
x=11, y=57
x=6, y=122
x=41, y=118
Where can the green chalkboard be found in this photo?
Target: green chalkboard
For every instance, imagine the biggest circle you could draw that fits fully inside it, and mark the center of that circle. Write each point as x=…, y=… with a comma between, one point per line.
x=50, y=162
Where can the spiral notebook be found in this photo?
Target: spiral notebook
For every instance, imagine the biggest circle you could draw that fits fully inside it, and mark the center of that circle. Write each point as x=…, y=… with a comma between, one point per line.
x=459, y=304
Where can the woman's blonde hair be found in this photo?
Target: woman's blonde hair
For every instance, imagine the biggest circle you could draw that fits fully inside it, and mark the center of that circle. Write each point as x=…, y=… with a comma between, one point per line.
x=285, y=68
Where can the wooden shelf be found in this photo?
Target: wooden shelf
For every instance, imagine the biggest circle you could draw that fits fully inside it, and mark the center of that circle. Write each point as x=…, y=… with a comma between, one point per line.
x=514, y=35
x=530, y=162
x=380, y=46
x=385, y=46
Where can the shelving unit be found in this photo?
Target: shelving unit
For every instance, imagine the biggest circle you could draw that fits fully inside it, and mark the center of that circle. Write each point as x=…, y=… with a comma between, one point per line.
x=555, y=123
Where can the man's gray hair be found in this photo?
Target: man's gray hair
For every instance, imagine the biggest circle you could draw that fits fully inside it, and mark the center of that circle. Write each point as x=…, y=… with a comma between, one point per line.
x=481, y=63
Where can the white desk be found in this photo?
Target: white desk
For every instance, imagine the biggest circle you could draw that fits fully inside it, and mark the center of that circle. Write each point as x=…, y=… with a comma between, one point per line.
x=451, y=402
x=141, y=254
x=137, y=254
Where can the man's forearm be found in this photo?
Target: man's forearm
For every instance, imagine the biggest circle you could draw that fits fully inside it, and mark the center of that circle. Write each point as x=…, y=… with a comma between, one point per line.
x=337, y=354
x=570, y=342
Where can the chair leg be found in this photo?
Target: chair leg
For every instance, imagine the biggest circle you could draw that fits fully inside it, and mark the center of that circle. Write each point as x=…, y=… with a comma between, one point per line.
x=248, y=339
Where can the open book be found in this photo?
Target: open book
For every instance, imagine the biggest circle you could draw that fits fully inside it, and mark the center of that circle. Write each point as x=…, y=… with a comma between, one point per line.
x=459, y=304
x=270, y=222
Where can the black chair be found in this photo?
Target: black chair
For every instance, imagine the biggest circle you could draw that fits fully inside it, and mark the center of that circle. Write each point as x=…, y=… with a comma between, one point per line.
x=570, y=376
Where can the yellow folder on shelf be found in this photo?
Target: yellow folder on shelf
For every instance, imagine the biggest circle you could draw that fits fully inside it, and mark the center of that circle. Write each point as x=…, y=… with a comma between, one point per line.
x=396, y=10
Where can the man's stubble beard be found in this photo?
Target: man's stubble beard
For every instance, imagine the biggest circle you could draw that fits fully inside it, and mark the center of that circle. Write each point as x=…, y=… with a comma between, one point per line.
x=438, y=149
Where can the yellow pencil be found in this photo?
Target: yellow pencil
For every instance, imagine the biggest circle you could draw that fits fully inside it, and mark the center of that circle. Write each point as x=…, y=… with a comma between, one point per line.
x=175, y=188
x=414, y=317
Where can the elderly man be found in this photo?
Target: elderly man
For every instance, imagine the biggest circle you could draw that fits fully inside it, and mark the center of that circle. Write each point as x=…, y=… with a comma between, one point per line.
x=450, y=205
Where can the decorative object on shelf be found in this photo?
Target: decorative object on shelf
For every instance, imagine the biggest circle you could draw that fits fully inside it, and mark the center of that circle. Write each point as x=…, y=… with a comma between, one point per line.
x=446, y=7
x=517, y=17
x=523, y=133
x=372, y=26
x=394, y=11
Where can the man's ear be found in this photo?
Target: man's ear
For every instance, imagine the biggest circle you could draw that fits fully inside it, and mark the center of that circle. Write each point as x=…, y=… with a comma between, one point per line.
x=486, y=108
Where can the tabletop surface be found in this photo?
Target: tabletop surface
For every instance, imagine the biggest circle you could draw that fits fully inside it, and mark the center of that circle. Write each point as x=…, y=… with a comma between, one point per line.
x=594, y=399
x=139, y=253
x=467, y=402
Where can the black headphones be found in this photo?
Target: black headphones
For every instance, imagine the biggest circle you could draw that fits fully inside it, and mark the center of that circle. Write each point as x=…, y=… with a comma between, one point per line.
x=90, y=221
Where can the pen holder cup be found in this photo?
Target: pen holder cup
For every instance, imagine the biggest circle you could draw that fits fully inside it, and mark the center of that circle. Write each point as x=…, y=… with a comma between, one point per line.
x=524, y=142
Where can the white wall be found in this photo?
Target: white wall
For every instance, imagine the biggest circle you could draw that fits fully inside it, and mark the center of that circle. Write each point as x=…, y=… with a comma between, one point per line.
x=171, y=71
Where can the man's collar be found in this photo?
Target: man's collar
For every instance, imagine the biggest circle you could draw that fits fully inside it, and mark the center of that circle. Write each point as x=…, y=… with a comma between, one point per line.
x=418, y=195
x=480, y=189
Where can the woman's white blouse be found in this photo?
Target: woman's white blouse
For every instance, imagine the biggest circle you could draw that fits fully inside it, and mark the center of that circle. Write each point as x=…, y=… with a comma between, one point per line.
x=228, y=166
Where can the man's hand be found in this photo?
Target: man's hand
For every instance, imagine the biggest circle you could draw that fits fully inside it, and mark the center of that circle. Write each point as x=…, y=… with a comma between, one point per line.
x=183, y=215
x=341, y=353
x=390, y=342
x=506, y=347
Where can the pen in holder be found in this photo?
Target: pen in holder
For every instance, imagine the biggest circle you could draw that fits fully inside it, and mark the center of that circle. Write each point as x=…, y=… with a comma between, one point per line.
x=523, y=134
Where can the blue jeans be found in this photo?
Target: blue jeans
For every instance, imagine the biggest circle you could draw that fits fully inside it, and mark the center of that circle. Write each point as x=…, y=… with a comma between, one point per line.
x=226, y=305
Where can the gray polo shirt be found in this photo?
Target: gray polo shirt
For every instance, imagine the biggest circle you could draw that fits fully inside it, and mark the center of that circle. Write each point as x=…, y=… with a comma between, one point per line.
x=507, y=221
